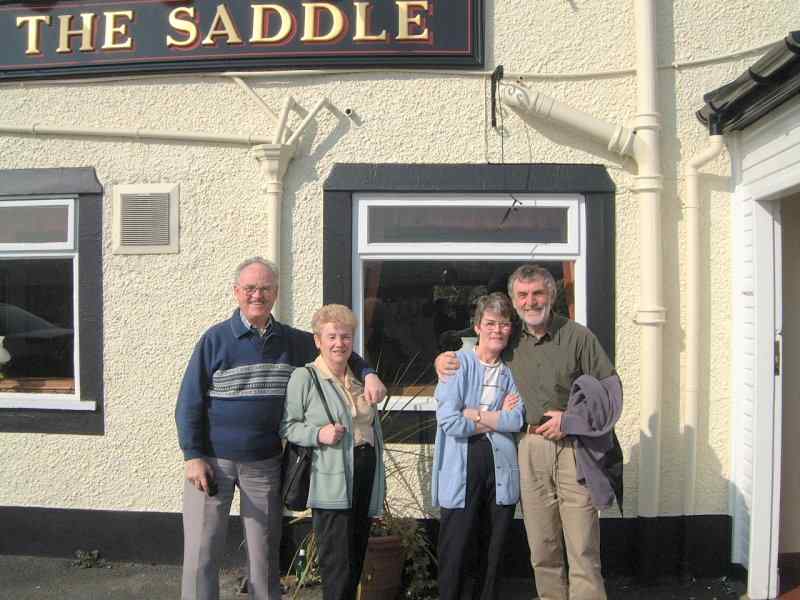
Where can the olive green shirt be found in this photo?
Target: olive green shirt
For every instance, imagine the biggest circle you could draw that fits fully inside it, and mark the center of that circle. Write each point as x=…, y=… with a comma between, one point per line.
x=545, y=368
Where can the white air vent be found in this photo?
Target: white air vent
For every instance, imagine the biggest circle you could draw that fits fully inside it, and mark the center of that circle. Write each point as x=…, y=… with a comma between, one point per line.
x=146, y=219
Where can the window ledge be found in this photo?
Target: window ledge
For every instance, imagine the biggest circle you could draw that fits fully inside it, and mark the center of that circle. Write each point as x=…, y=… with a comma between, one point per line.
x=38, y=385
x=46, y=402
x=410, y=403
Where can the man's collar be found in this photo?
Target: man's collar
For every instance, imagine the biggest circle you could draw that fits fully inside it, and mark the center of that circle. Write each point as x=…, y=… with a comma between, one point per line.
x=555, y=323
x=241, y=326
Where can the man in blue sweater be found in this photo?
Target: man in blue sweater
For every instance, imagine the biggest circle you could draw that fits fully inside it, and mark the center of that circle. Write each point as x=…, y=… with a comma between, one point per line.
x=228, y=413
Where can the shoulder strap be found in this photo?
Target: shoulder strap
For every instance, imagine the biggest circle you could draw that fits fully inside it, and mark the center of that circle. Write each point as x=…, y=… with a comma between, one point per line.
x=321, y=393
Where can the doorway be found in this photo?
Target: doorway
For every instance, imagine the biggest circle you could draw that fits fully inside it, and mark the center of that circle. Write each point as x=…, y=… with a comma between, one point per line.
x=789, y=529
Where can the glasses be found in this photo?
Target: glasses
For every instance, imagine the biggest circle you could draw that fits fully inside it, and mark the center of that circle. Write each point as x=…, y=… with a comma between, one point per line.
x=496, y=325
x=249, y=290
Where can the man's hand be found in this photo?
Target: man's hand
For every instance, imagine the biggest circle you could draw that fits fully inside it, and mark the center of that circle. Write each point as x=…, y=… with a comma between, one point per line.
x=331, y=434
x=446, y=364
x=200, y=473
x=552, y=429
x=510, y=401
x=374, y=390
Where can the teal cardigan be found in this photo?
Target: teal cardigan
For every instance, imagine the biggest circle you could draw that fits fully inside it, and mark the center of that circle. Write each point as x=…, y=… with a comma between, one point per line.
x=331, y=466
x=463, y=390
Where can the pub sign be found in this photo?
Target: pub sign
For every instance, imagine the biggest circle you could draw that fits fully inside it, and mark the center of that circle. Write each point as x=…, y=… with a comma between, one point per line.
x=43, y=39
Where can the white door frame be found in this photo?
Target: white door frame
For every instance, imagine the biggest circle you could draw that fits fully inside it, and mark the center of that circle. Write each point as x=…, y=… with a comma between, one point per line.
x=767, y=430
x=766, y=168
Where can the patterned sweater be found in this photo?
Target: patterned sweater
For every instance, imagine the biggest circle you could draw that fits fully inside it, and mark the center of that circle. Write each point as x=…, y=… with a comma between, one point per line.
x=233, y=392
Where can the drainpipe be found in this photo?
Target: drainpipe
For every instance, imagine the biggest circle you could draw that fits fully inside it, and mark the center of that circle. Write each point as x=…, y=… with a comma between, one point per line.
x=689, y=417
x=644, y=147
x=652, y=313
x=274, y=159
x=164, y=135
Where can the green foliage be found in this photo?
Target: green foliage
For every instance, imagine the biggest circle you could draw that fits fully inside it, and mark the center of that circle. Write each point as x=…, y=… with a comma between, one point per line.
x=419, y=558
x=90, y=559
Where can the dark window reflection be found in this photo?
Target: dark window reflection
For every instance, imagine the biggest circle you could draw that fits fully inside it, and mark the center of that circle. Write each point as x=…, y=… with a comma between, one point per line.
x=468, y=224
x=36, y=324
x=414, y=309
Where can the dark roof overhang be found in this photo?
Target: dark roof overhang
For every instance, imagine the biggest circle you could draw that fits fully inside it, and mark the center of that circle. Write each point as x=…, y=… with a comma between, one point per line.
x=771, y=81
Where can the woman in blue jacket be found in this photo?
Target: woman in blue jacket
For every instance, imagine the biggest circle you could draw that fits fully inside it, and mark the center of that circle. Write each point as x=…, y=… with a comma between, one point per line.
x=475, y=470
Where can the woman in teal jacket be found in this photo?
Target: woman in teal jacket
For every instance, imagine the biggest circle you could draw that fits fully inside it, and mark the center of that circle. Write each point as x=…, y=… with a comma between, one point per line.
x=347, y=474
x=475, y=469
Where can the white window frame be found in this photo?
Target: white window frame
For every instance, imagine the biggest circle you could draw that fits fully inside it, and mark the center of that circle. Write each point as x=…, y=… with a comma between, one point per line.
x=573, y=250
x=45, y=251
x=69, y=244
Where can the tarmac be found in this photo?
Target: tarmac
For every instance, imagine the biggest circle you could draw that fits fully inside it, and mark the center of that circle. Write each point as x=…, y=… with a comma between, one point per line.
x=38, y=578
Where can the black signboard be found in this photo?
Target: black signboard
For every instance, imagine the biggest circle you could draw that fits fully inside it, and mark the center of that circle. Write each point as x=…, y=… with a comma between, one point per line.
x=56, y=39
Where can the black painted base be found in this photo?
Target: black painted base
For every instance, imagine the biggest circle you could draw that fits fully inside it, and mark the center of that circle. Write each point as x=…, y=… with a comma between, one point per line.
x=648, y=548
x=789, y=572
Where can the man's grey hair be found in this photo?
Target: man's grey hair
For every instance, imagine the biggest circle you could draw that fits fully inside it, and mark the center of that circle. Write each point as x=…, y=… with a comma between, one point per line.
x=496, y=302
x=530, y=272
x=257, y=260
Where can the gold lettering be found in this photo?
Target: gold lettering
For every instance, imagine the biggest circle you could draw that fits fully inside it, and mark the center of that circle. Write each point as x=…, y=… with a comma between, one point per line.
x=404, y=8
x=228, y=29
x=310, y=33
x=113, y=29
x=189, y=27
x=65, y=33
x=259, y=12
x=33, y=23
x=363, y=10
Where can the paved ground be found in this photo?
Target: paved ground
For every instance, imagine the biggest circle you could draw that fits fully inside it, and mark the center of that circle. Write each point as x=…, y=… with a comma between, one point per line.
x=33, y=578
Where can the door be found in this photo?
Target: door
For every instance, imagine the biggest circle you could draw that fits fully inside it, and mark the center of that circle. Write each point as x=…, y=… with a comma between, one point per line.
x=790, y=353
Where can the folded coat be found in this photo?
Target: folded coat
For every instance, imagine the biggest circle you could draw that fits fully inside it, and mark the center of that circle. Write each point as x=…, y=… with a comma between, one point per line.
x=593, y=409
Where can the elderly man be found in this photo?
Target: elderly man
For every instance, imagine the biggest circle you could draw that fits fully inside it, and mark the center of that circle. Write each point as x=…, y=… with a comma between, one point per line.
x=228, y=414
x=546, y=357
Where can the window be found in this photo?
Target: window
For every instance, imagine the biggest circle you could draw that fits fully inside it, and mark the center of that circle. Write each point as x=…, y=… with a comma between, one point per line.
x=38, y=270
x=50, y=300
x=421, y=263
x=439, y=231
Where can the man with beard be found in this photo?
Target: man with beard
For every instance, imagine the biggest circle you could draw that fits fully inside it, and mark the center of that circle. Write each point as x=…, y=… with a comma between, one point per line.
x=546, y=356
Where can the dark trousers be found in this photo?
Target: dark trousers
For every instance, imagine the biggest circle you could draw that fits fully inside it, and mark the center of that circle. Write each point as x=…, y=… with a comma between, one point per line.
x=342, y=535
x=471, y=538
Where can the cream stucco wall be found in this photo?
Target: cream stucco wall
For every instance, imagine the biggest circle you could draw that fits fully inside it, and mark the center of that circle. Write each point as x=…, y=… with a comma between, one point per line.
x=155, y=307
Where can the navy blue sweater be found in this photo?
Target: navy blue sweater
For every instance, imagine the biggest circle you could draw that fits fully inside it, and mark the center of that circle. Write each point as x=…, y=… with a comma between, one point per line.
x=231, y=400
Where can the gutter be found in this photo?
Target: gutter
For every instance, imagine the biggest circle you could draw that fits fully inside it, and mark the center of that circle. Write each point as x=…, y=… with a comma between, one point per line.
x=771, y=81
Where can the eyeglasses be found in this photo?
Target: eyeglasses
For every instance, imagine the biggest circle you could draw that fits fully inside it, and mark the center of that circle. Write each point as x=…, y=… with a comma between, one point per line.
x=496, y=324
x=249, y=290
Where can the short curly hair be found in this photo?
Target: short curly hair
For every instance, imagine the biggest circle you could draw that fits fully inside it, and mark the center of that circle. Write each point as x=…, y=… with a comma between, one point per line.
x=333, y=313
x=497, y=302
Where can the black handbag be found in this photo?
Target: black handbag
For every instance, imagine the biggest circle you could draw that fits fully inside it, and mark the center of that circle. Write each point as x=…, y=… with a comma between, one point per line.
x=296, y=464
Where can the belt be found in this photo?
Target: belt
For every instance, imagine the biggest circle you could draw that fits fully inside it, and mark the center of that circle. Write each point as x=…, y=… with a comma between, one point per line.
x=532, y=427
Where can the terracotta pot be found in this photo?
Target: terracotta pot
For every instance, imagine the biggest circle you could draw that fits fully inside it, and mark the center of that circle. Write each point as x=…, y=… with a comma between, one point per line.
x=382, y=574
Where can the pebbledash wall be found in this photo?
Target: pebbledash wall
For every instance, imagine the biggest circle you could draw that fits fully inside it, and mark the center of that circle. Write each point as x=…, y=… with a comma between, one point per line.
x=113, y=481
